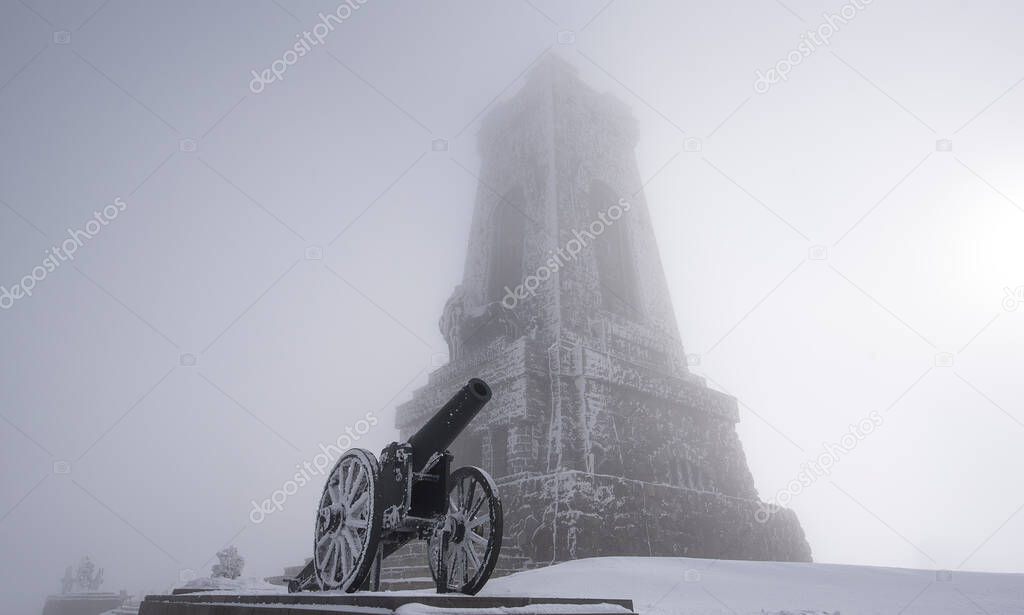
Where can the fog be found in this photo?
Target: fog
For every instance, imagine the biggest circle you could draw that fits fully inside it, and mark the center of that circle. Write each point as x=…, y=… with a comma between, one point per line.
x=846, y=242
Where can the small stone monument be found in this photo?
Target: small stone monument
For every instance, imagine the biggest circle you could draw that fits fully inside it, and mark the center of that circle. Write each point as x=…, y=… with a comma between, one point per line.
x=87, y=577
x=79, y=592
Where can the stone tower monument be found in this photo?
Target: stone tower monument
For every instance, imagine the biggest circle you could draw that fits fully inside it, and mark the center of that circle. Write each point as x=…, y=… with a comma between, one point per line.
x=600, y=439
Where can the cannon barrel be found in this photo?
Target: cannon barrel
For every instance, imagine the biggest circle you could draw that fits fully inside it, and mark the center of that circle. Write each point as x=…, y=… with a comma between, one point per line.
x=446, y=425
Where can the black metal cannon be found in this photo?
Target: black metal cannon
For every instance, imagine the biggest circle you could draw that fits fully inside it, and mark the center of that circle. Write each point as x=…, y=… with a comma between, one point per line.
x=369, y=509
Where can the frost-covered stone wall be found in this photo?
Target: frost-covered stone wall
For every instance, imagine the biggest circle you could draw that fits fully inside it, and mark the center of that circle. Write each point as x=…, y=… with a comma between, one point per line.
x=574, y=514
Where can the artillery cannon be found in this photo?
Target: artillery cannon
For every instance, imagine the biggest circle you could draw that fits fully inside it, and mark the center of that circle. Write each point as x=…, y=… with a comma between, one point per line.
x=370, y=509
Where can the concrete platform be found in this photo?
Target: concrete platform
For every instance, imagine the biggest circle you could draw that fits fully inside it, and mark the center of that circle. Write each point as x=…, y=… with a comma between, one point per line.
x=376, y=603
x=85, y=603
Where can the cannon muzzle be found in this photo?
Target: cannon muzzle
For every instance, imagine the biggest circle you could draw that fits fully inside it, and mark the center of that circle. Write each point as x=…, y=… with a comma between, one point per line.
x=442, y=428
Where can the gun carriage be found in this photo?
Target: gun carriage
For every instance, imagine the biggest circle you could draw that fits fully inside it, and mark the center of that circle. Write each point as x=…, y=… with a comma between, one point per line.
x=370, y=508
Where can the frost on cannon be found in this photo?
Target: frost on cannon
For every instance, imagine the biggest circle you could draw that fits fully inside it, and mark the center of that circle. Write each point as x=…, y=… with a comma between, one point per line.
x=600, y=439
x=372, y=507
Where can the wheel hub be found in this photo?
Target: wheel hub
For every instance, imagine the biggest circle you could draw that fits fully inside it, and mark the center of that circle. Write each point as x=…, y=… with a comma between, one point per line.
x=458, y=530
x=333, y=517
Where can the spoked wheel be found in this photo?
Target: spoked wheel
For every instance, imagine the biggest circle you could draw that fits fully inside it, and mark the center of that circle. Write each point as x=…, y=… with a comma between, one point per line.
x=473, y=526
x=348, y=523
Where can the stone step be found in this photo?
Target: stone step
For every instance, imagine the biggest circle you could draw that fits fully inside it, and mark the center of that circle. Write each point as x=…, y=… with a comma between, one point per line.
x=391, y=567
x=503, y=567
x=394, y=585
x=408, y=567
x=514, y=561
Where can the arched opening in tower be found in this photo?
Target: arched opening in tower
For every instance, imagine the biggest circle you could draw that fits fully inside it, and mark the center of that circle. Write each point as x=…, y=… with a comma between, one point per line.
x=616, y=275
x=509, y=233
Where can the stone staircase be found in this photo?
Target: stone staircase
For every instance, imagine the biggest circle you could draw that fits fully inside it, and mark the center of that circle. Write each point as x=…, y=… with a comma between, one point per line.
x=290, y=572
x=408, y=567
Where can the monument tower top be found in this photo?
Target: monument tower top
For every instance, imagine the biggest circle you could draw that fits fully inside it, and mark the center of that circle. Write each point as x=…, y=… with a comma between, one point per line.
x=562, y=240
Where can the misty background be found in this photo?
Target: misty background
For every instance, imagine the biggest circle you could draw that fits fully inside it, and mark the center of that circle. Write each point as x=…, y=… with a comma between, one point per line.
x=283, y=257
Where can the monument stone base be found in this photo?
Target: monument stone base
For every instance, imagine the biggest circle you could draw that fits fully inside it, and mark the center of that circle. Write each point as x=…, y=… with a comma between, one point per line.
x=375, y=603
x=84, y=603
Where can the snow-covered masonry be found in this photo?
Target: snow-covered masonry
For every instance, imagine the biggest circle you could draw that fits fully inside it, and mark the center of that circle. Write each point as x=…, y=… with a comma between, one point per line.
x=601, y=440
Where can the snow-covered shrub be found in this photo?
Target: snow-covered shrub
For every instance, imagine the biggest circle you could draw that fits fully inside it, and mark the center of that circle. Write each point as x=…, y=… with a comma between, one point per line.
x=230, y=564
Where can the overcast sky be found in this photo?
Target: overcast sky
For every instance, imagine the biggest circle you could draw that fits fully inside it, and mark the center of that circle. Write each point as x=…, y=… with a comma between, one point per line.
x=826, y=256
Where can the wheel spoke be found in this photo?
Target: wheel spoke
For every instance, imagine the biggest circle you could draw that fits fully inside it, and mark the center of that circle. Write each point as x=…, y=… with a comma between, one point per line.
x=354, y=488
x=334, y=490
x=465, y=566
x=473, y=556
x=477, y=522
x=323, y=550
x=345, y=557
x=476, y=507
x=453, y=567
x=354, y=544
x=470, y=494
x=346, y=477
x=476, y=538
x=360, y=502
x=332, y=563
x=360, y=476
x=452, y=556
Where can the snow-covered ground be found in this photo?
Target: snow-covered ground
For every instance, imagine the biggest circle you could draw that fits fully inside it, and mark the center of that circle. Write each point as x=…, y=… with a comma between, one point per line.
x=683, y=586
x=534, y=609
